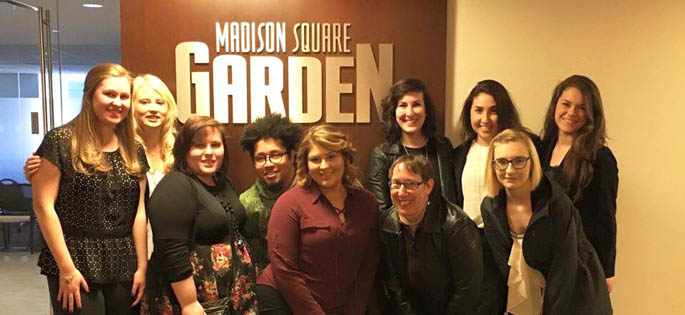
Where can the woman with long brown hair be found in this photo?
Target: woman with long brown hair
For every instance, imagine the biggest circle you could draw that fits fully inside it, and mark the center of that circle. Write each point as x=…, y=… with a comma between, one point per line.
x=88, y=197
x=487, y=111
x=576, y=155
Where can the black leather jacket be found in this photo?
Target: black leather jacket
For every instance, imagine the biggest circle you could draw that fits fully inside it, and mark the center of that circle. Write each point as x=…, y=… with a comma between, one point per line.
x=440, y=155
x=554, y=244
x=451, y=263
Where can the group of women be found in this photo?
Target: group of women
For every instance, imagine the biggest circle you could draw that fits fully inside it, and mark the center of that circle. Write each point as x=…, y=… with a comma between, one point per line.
x=121, y=161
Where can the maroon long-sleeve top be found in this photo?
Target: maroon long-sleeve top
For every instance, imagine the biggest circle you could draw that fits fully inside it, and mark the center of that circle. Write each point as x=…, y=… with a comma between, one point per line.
x=318, y=265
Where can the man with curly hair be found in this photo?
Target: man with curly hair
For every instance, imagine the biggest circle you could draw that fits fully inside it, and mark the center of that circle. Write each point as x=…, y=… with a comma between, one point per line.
x=271, y=141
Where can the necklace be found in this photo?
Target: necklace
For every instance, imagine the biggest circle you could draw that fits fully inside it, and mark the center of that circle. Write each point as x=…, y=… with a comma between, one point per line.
x=425, y=150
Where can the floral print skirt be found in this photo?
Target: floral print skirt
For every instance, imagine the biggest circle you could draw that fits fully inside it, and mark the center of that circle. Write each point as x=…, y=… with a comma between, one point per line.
x=223, y=274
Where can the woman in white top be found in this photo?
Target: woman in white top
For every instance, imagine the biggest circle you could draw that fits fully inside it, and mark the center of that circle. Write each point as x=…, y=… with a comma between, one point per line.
x=155, y=112
x=487, y=110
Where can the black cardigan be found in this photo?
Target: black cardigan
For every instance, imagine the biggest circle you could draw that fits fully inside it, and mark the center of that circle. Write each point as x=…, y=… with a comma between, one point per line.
x=597, y=203
x=554, y=244
x=184, y=212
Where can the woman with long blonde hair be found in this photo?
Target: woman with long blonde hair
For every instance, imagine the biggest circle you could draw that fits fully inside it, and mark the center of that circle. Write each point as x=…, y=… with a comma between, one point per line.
x=154, y=111
x=89, y=200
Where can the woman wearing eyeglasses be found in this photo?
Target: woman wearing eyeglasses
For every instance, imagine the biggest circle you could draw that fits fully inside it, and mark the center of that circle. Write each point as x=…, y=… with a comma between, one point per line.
x=323, y=239
x=431, y=251
x=575, y=154
x=536, y=237
x=409, y=126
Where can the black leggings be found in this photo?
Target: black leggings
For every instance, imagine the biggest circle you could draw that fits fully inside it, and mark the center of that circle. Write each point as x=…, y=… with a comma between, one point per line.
x=270, y=301
x=103, y=299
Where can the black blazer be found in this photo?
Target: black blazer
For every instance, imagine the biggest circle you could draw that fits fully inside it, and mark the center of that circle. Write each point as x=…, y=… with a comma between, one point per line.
x=555, y=245
x=440, y=155
x=597, y=203
x=449, y=247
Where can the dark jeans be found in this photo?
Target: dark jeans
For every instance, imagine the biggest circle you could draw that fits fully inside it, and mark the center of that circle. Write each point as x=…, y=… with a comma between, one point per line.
x=493, y=297
x=270, y=301
x=103, y=299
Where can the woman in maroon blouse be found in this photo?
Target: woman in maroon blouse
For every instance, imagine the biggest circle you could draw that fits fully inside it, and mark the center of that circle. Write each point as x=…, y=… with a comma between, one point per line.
x=322, y=237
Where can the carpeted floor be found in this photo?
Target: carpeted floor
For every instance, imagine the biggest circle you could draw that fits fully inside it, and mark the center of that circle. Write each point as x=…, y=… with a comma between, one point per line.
x=24, y=289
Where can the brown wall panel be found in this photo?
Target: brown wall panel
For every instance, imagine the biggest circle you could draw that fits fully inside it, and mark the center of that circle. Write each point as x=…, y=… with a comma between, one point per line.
x=151, y=29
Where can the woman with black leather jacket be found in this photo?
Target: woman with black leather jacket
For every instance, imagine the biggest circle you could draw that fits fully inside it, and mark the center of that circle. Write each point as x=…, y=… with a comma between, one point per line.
x=409, y=125
x=431, y=251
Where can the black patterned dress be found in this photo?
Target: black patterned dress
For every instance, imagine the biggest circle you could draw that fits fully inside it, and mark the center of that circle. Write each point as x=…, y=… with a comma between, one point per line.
x=196, y=233
x=96, y=213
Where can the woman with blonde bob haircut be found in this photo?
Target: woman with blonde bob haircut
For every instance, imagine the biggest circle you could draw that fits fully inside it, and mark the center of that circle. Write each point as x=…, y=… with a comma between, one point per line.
x=322, y=239
x=88, y=197
x=493, y=186
x=535, y=236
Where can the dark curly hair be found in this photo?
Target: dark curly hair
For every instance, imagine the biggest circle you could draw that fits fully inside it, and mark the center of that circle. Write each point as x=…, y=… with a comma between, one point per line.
x=391, y=129
x=271, y=126
x=507, y=115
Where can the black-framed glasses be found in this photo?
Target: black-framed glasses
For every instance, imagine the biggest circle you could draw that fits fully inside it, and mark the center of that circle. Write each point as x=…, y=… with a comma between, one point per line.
x=274, y=157
x=517, y=162
x=408, y=185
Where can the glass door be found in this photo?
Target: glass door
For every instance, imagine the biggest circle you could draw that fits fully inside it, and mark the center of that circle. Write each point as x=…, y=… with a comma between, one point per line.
x=26, y=96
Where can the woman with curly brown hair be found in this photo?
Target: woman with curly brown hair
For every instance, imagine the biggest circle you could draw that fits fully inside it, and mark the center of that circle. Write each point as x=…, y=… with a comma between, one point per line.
x=322, y=235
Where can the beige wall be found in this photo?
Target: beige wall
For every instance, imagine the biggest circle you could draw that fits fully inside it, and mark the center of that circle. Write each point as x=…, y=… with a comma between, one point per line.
x=635, y=52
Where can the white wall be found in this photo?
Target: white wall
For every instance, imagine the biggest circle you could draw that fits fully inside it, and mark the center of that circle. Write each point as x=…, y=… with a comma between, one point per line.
x=635, y=52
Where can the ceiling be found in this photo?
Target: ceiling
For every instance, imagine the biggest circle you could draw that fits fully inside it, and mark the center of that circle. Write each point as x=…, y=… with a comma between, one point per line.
x=80, y=36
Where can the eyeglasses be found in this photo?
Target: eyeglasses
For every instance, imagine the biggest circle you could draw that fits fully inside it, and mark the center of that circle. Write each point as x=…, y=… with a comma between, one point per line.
x=275, y=157
x=408, y=185
x=518, y=163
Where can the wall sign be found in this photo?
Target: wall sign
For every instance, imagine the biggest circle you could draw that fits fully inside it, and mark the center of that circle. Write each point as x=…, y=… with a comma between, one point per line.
x=314, y=61
x=229, y=73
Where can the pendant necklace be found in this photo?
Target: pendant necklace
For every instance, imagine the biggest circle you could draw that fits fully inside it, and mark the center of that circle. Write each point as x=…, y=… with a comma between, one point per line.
x=425, y=149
